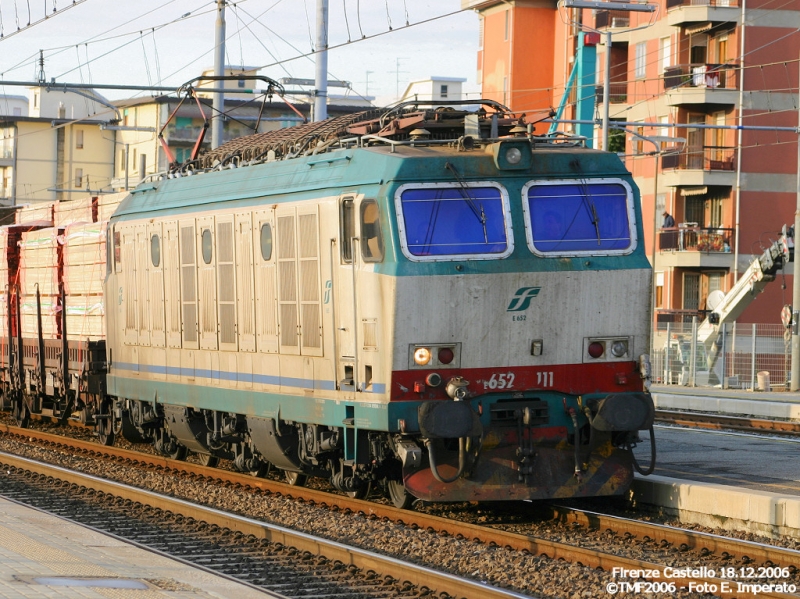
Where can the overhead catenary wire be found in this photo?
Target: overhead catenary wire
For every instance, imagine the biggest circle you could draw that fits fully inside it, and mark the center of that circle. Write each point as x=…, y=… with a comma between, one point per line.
x=30, y=24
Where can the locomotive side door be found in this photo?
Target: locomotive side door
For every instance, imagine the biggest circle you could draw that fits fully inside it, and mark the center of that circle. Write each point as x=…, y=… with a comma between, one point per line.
x=344, y=297
x=266, y=288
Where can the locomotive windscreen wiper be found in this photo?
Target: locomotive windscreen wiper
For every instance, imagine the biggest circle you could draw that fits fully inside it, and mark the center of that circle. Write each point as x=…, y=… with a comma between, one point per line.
x=591, y=208
x=477, y=209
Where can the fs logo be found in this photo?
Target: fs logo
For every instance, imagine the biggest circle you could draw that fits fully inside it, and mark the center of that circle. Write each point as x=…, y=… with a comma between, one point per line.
x=522, y=299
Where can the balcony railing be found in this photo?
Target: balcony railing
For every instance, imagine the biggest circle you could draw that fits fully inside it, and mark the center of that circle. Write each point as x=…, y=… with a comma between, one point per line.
x=708, y=158
x=611, y=18
x=715, y=3
x=665, y=316
x=617, y=93
x=712, y=76
x=687, y=237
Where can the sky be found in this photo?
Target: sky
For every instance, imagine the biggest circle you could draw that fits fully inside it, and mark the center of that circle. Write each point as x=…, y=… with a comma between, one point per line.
x=168, y=42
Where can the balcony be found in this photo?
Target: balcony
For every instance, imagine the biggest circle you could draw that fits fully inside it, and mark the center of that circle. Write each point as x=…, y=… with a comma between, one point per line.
x=611, y=18
x=688, y=245
x=683, y=12
x=664, y=316
x=700, y=84
x=617, y=93
x=709, y=165
x=707, y=158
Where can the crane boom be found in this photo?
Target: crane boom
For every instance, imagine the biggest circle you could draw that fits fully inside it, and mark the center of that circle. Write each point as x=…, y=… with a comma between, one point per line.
x=762, y=271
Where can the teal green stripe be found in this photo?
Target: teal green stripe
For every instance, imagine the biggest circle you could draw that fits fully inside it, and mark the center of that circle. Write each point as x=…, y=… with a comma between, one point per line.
x=300, y=408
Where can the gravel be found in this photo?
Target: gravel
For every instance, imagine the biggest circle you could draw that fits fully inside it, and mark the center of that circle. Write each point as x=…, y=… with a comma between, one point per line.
x=525, y=573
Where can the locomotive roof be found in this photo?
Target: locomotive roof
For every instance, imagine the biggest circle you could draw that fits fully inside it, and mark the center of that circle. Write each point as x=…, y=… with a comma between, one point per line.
x=361, y=150
x=462, y=124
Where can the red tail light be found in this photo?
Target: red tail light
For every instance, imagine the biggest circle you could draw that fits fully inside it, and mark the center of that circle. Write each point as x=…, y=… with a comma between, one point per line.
x=596, y=349
x=446, y=355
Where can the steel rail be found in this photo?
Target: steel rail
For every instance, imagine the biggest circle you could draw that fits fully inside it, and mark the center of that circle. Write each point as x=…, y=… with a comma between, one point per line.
x=359, y=558
x=721, y=422
x=707, y=543
x=481, y=534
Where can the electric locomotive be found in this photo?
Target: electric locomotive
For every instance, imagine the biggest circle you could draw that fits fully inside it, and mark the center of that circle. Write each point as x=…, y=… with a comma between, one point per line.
x=431, y=300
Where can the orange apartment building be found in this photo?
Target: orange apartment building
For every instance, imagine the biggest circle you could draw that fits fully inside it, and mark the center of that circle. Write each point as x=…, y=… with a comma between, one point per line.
x=729, y=191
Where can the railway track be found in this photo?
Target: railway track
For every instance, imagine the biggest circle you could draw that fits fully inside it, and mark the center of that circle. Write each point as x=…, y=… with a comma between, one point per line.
x=723, y=422
x=266, y=556
x=732, y=552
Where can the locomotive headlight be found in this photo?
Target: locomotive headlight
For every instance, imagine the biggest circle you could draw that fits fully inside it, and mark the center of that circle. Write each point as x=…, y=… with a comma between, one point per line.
x=422, y=356
x=619, y=348
x=513, y=155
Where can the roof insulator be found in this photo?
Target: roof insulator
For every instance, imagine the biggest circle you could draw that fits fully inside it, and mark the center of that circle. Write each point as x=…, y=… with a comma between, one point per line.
x=420, y=134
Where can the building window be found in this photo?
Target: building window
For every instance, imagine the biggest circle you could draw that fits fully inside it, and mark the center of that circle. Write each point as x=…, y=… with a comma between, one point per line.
x=507, y=25
x=641, y=60
x=659, y=290
x=666, y=53
x=121, y=161
x=36, y=100
x=79, y=139
x=240, y=82
x=639, y=142
x=443, y=91
x=78, y=177
x=661, y=204
x=480, y=33
x=664, y=131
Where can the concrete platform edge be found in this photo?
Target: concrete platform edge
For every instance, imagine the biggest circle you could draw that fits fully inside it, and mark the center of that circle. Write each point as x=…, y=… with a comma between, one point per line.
x=720, y=506
x=761, y=408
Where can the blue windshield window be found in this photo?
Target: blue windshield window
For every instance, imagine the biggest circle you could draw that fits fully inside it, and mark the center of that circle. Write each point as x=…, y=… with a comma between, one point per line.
x=579, y=217
x=453, y=221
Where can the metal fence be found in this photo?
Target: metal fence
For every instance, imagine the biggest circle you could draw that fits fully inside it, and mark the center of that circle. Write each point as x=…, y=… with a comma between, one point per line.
x=738, y=356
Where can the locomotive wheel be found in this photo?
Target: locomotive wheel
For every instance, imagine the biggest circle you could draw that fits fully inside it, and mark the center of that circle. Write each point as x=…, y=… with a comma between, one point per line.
x=262, y=470
x=210, y=461
x=361, y=493
x=296, y=479
x=105, y=432
x=401, y=498
x=20, y=413
x=179, y=454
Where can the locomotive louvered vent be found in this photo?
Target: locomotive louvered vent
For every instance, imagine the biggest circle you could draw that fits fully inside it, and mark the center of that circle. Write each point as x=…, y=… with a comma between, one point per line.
x=143, y=289
x=227, y=283
x=508, y=412
x=188, y=293
x=245, y=250
x=266, y=312
x=309, y=281
x=287, y=276
x=173, y=279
